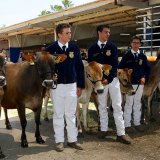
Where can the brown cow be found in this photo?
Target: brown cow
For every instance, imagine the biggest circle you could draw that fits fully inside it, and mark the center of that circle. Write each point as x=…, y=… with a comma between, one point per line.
x=2, y=84
x=24, y=90
x=150, y=87
x=93, y=81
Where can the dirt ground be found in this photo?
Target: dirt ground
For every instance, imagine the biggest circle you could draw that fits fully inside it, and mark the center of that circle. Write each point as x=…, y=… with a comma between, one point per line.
x=145, y=146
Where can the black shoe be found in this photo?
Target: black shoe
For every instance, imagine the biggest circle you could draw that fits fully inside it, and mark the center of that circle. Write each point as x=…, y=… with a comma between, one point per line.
x=124, y=139
x=59, y=147
x=140, y=128
x=75, y=145
x=102, y=134
x=130, y=130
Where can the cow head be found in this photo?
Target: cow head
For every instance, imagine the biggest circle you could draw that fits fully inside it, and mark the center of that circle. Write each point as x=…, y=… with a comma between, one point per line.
x=94, y=74
x=46, y=67
x=124, y=76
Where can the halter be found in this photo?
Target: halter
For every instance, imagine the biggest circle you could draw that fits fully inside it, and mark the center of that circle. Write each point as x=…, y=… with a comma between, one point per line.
x=124, y=85
x=92, y=81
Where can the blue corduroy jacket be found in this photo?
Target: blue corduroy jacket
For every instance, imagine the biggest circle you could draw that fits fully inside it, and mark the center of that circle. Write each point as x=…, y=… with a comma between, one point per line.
x=141, y=67
x=108, y=55
x=71, y=69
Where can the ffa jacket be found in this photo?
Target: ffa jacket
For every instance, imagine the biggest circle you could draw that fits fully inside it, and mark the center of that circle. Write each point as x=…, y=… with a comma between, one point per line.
x=107, y=55
x=71, y=68
x=140, y=66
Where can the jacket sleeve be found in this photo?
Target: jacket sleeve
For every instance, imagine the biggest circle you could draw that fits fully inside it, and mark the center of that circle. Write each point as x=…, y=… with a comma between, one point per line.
x=90, y=55
x=80, y=71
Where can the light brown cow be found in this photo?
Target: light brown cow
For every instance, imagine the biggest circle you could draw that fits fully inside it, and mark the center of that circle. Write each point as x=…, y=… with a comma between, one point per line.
x=124, y=76
x=93, y=81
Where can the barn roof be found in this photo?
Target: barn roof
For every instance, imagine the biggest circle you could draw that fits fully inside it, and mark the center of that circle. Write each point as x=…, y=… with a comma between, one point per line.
x=93, y=13
x=116, y=13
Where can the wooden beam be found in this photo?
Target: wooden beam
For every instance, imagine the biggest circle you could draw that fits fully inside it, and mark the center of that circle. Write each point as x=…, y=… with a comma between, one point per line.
x=108, y=17
x=24, y=31
x=96, y=14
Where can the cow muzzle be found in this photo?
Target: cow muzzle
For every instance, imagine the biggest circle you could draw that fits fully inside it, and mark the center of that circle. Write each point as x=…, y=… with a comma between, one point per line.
x=99, y=89
x=48, y=83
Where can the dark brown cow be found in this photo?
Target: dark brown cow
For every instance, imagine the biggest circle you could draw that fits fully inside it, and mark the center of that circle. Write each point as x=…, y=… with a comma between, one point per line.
x=150, y=87
x=24, y=89
x=2, y=84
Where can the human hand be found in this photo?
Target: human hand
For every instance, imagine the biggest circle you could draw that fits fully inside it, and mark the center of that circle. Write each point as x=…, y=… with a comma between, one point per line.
x=104, y=82
x=55, y=77
x=142, y=81
x=79, y=92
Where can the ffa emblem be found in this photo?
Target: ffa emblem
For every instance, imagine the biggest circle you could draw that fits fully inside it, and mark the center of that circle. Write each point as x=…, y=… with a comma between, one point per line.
x=108, y=52
x=106, y=72
x=71, y=54
x=140, y=62
x=60, y=58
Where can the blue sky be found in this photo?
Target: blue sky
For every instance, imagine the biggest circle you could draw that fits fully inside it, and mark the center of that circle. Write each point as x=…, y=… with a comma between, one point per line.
x=16, y=11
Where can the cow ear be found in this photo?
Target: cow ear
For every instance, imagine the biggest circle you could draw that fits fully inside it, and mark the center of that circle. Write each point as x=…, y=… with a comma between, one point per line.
x=130, y=71
x=106, y=67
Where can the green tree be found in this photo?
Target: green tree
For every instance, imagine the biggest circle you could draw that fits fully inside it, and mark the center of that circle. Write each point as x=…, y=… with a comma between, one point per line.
x=54, y=8
x=44, y=12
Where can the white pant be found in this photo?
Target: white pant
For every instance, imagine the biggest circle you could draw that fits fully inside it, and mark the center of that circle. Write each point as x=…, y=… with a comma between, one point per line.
x=64, y=99
x=115, y=94
x=133, y=103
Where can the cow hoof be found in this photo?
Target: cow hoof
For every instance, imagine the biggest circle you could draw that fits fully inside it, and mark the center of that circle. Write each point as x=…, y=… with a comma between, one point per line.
x=89, y=132
x=152, y=119
x=8, y=126
x=2, y=155
x=46, y=119
x=80, y=135
x=40, y=140
x=24, y=144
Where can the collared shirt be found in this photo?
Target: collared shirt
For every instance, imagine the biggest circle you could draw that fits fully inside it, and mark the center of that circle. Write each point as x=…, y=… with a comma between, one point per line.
x=61, y=45
x=133, y=52
x=99, y=43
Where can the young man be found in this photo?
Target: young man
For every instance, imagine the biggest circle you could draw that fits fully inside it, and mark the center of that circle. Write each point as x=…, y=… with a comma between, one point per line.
x=70, y=81
x=105, y=52
x=136, y=60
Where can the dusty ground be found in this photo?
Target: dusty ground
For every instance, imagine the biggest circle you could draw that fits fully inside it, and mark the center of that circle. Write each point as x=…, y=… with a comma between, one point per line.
x=146, y=146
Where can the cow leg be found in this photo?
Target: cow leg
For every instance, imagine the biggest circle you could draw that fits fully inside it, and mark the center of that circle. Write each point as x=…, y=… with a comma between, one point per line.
x=45, y=103
x=22, y=116
x=1, y=154
x=79, y=125
x=85, y=113
x=95, y=101
x=144, y=108
x=7, y=123
x=37, y=121
x=150, y=112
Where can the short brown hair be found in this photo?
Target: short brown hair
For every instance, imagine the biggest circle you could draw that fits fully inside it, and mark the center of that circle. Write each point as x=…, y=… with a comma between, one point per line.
x=101, y=27
x=136, y=37
x=61, y=26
